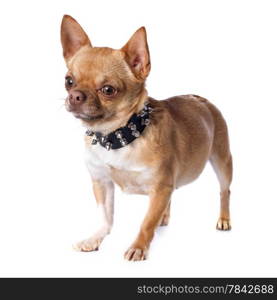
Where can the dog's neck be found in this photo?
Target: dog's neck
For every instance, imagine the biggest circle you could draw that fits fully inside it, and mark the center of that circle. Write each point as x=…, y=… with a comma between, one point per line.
x=122, y=116
x=124, y=135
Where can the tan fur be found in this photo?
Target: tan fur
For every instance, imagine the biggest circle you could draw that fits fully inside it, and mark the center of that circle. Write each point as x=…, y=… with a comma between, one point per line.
x=185, y=131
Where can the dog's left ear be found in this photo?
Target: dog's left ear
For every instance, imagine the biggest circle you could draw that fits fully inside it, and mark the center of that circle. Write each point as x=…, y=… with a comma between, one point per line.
x=137, y=54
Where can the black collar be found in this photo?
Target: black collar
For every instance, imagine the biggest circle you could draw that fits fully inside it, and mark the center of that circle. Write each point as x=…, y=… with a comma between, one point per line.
x=123, y=135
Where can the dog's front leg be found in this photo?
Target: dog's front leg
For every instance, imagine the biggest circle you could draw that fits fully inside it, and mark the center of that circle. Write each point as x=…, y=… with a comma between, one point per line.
x=159, y=201
x=104, y=195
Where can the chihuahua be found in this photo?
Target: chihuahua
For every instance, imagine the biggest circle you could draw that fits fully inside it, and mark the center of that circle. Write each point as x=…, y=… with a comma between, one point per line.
x=143, y=145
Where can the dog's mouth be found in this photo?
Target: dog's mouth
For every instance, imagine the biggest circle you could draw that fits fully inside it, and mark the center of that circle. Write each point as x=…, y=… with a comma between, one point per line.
x=86, y=117
x=81, y=115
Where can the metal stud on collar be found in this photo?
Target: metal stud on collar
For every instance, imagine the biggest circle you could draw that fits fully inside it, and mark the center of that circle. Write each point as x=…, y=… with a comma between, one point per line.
x=133, y=127
x=130, y=125
x=123, y=142
x=103, y=139
x=94, y=141
x=108, y=146
x=136, y=133
x=145, y=122
x=118, y=134
x=142, y=113
x=89, y=132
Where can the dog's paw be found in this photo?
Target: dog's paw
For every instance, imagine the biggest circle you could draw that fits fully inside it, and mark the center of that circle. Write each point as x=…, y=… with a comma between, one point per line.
x=135, y=254
x=90, y=244
x=223, y=224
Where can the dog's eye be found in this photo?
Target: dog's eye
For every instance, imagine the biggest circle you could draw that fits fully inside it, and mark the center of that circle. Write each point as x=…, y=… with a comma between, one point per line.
x=69, y=81
x=108, y=90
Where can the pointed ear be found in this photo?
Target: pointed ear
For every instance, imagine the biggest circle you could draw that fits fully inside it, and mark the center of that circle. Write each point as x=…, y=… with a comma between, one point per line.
x=137, y=54
x=73, y=37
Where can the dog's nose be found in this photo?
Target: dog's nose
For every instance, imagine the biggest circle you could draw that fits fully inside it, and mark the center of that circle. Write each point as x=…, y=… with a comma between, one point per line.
x=77, y=97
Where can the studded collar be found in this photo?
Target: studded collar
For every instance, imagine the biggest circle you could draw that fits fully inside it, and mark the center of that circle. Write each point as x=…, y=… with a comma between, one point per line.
x=124, y=135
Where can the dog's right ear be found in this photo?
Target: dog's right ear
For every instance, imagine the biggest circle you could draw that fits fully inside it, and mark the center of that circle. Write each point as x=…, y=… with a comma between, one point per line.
x=73, y=37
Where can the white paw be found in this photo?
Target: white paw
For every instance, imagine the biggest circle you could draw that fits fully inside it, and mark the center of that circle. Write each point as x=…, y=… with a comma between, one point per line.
x=90, y=244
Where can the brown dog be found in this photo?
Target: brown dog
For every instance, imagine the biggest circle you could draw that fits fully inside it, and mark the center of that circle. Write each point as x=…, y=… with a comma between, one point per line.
x=145, y=146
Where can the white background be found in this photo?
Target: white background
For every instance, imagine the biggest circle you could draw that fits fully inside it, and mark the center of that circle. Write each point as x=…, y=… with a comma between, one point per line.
x=225, y=51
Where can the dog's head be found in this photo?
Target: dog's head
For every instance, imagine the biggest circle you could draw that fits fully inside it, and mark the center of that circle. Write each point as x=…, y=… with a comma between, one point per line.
x=102, y=82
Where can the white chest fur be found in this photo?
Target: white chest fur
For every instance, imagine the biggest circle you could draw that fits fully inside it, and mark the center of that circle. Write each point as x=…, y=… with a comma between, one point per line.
x=119, y=166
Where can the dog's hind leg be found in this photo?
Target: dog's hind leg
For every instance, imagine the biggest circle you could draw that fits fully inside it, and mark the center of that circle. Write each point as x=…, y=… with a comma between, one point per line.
x=223, y=170
x=221, y=161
